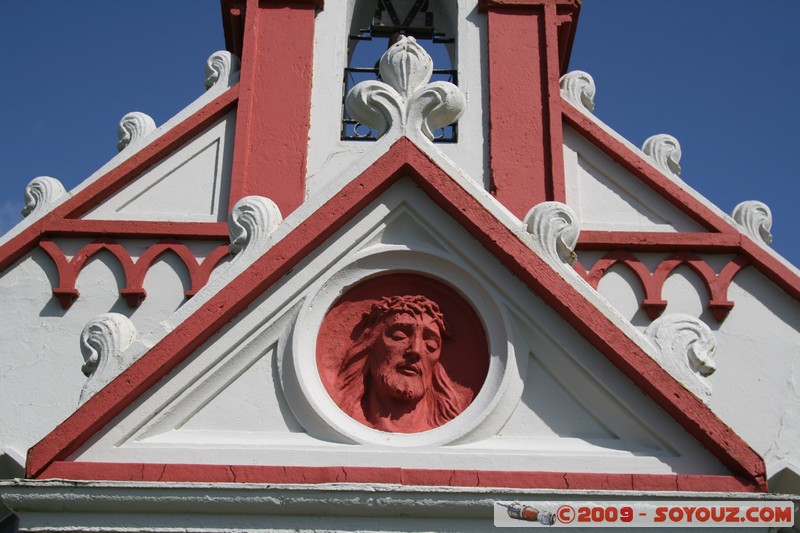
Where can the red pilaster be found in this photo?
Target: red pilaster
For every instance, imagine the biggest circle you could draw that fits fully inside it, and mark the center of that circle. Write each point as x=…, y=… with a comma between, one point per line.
x=274, y=102
x=526, y=134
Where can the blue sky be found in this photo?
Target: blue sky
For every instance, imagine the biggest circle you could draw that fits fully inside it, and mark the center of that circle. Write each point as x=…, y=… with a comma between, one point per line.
x=718, y=75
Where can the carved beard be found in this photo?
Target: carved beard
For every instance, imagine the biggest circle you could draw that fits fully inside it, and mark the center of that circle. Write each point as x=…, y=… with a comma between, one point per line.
x=401, y=387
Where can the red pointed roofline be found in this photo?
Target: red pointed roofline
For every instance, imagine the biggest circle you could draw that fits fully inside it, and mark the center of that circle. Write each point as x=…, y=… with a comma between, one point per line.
x=46, y=459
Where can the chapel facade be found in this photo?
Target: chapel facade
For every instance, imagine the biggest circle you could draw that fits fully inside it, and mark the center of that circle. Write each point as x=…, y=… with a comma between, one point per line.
x=356, y=290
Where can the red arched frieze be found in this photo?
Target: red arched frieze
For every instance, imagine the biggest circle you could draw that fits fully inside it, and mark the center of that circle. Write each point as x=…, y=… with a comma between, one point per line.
x=135, y=271
x=653, y=282
x=402, y=353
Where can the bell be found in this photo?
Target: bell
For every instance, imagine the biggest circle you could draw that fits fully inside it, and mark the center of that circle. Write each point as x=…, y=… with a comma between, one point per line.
x=409, y=17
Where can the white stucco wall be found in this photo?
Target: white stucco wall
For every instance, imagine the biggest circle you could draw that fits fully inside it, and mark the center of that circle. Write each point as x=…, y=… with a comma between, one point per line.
x=40, y=354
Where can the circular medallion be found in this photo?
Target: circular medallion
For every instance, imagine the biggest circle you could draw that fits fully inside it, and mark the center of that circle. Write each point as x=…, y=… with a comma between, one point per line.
x=402, y=353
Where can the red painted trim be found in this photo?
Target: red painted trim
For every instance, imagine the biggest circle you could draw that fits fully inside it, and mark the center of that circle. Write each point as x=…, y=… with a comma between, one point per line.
x=271, y=143
x=403, y=159
x=659, y=242
x=484, y=5
x=395, y=476
x=557, y=189
x=318, y=3
x=135, y=271
x=643, y=170
x=653, y=282
x=518, y=142
x=527, y=160
x=105, y=186
x=135, y=229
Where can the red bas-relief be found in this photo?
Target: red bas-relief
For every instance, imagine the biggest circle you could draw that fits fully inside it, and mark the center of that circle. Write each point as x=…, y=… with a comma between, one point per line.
x=402, y=353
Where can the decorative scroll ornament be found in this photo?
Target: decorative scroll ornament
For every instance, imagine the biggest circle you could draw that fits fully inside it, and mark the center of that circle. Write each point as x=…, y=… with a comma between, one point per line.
x=577, y=87
x=133, y=127
x=404, y=100
x=252, y=221
x=665, y=151
x=104, y=341
x=685, y=349
x=40, y=194
x=221, y=68
x=756, y=219
x=555, y=231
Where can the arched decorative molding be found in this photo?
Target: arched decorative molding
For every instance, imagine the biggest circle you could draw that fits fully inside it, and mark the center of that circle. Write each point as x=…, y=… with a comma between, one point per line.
x=104, y=341
x=665, y=152
x=222, y=69
x=251, y=222
x=135, y=271
x=756, y=219
x=653, y=282
x=555, y=229
x=686, y=350
x=578, y=88
x=405, y=100
x=133, y=127
x=41, y=194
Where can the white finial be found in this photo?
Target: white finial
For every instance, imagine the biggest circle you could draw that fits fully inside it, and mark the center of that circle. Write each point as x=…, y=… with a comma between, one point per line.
x=578, y=88
x=104, y=341
x=404, y=100
x=756, y=220
x=685, y=349
x=132, y=128
x=251, y=222
x=665, y=151
x=222, y=68
x=555, y=231
x=40, y=194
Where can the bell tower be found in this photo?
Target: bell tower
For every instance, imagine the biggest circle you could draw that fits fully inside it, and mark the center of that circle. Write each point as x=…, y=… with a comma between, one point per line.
x=506, y=56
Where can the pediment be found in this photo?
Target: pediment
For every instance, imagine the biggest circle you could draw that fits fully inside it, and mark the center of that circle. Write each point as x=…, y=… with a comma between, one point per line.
x=608, y=197
x=244, y=371
x=249, y=350
x=192, y=184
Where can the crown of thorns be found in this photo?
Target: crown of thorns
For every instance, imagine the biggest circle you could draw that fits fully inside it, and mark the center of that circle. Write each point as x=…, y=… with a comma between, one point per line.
x=415, y=305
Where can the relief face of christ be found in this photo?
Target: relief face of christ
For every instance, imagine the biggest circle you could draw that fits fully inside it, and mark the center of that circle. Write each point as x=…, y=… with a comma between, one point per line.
x=391, y=378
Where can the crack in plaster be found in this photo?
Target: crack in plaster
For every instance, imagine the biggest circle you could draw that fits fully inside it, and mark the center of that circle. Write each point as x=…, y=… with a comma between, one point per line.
x=161, y=475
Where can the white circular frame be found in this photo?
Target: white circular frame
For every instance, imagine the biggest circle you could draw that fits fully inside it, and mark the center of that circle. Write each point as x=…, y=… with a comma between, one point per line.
x=323, y=418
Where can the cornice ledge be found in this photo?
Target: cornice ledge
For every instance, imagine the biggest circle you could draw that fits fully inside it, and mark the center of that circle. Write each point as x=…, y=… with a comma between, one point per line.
x=555, y=229
x=252, y=221
x=685, y=348
x=41, y=194
x=104, y=342
x=755, y=218
x=133, y=127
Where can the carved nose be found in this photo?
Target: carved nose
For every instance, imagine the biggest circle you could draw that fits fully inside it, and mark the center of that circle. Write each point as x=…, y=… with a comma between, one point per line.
x=416, y=346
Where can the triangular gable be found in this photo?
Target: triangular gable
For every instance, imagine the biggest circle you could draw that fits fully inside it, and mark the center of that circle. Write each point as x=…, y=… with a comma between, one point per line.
x=47, y=458
x=235, y=400
x=606, y=197
x=720, y=235
x=190, y=185
x=65, y=218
